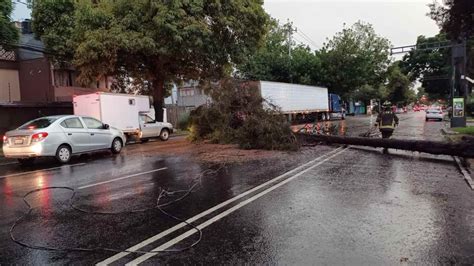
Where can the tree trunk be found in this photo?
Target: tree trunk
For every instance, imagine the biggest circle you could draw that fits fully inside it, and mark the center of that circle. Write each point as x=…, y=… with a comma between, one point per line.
x=462, y=149
x=158, y=98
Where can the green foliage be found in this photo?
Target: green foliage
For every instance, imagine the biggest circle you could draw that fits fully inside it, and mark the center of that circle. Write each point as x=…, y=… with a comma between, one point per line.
x=464, y=130
x=273, y=63
x=8, y=33
x=431, y=67
x=470, y=107
x=53, y=21
x=398, y=85
x=237, y=115
x=455, y=17
x=153, y=41
x=184, y=121
x=354, y=57
x=367, y=92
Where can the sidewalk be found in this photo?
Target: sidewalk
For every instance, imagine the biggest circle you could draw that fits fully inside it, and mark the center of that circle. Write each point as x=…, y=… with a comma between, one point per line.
x=454, y=136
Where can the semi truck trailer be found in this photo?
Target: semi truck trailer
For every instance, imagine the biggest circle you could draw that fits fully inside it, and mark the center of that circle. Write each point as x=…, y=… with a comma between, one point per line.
x=302, y=102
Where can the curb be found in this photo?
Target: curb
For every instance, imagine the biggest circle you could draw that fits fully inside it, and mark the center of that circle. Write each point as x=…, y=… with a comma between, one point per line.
x=446, y=131
x=465, y=172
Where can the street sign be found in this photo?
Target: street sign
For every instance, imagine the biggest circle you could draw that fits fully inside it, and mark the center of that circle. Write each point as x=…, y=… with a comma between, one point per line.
x=458, y=107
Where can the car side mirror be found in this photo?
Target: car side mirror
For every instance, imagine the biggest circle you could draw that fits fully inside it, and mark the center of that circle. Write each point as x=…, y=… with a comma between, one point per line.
x=106, y=126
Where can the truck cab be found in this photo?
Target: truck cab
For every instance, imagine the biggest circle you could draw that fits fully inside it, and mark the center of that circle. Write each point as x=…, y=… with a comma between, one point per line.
x=150, y=128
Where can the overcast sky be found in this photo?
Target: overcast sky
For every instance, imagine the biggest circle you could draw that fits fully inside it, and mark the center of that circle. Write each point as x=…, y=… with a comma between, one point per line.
x=401, y=21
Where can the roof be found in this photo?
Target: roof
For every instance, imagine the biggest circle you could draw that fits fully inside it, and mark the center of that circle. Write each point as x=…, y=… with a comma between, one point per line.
x=29, y=41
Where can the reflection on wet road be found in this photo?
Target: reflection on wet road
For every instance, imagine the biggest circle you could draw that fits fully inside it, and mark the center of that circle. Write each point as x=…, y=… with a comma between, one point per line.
x=340, y=206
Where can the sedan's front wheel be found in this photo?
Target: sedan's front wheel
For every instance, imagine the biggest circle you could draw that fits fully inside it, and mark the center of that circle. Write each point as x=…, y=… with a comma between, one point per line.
x=63, y=154
x=116, y=146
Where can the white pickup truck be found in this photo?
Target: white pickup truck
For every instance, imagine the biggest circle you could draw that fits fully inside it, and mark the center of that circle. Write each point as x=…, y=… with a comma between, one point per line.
x=132, y=114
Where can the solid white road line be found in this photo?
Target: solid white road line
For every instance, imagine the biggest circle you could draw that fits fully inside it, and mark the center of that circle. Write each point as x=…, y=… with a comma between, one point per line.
x=121, y=178
x=464, y=172
x=207, y=212
x=41, y=170
x=10, y=163
x=219, y=216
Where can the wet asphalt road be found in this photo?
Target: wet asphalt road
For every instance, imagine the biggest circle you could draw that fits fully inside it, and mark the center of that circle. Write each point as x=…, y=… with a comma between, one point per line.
x=341, y=206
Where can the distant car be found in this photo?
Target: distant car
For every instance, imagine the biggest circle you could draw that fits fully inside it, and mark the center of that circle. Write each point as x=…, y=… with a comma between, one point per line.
x=434, y=113
x=61, y=137
x=399, y=110
x=416, y=109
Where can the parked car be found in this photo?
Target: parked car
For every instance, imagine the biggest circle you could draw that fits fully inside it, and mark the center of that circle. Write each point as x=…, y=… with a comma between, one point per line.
x=61, y=137
x=434, y=113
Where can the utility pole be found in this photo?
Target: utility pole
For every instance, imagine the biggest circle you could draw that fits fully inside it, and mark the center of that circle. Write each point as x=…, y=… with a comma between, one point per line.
x=9, y=93
x=289, y=34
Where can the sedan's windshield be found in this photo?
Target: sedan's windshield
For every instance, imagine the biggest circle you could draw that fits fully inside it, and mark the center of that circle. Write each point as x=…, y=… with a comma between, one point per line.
x=38, y=123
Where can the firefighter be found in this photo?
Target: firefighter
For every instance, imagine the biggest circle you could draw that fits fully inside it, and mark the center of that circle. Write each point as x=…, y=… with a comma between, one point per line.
x=387, y=120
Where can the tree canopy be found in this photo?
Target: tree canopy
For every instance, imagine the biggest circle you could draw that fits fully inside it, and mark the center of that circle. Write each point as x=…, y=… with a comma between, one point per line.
x=155, y=41
x=274, y=63
x=431, y=67
x=353, y=63
x=8, y=33
x=354, y=57
x=455, y=17
x=399, y=85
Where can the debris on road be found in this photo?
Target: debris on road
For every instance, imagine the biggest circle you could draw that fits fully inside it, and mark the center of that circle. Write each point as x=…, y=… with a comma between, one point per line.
x=239, y=115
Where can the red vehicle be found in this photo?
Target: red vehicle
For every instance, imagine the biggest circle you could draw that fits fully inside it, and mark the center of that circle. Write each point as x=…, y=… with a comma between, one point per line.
x=416, y=108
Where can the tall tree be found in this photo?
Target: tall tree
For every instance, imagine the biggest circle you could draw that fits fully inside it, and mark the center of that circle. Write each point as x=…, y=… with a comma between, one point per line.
x=455, y=17
x=273, y=61
x=154, y=41
x=354, y=57
x=431, y=67
x=8, y=33
x=399, y=86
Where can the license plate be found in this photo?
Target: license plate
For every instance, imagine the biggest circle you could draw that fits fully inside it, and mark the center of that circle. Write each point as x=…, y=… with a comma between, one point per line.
x=18, y=141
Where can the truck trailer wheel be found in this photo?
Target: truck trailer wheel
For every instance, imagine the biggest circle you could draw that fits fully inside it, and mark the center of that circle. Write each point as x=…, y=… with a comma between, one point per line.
x=164, y=134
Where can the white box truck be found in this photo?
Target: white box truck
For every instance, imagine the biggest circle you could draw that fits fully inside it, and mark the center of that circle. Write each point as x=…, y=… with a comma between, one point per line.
x=132, y=114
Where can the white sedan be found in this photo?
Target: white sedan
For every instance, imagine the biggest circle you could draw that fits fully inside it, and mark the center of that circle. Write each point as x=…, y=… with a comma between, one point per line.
x=61, y=137
x=434, y=114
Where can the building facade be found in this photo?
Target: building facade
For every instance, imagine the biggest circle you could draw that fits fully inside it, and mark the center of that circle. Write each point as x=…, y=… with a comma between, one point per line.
x=28, y=75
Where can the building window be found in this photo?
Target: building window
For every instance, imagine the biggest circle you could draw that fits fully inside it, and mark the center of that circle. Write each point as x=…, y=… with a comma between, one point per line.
x=186, y=92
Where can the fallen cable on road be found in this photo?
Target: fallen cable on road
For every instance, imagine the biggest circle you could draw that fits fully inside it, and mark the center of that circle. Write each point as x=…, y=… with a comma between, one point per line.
x=159, y=206
x=461, y=149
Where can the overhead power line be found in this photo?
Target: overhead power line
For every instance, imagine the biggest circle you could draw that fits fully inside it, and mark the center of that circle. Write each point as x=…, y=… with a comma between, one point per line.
x=306, y=37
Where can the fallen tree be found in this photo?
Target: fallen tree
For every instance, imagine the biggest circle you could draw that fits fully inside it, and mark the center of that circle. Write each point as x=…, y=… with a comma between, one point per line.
x=461, y=149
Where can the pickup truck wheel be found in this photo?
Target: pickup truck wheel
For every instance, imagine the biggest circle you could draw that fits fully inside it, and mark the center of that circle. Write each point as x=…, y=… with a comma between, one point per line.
x=116, y=146
x=63, y=154
x=26, y=161
x=164, y=134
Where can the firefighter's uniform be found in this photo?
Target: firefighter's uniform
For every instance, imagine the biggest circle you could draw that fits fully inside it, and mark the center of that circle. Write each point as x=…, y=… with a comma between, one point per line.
x=387, y=121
